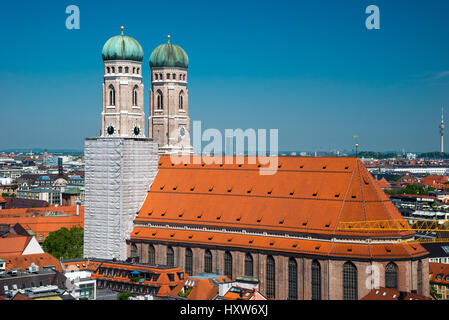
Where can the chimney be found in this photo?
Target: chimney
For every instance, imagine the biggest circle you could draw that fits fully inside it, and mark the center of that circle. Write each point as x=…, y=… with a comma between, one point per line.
x=78, y=202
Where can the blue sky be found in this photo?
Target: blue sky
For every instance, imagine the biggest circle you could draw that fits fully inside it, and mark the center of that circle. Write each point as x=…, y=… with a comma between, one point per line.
x=308, y=68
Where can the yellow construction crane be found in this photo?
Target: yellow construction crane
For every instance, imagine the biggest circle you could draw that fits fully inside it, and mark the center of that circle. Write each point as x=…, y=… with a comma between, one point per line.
x=417, y=225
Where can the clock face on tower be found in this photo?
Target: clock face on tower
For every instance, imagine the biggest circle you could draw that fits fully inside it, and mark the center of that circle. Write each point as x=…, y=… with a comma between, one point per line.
x=110, y=130
x=136, y=130
x=182, y=132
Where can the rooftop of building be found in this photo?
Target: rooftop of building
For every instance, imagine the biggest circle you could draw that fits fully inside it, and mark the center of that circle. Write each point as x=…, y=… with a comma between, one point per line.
x=392, y=294
x=275, y=212
x=204, y=286
x=439, y=273
x=19, y=261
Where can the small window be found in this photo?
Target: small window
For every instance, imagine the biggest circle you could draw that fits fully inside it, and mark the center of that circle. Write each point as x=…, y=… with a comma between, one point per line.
x=174, y=76
x=120, y=69
x=168, y=76
x=109, y=70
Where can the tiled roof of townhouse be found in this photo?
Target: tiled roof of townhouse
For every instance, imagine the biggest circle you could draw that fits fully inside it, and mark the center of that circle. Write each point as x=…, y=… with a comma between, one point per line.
x=19, y=261
x=439, y=273
x=392, y=294
x=42, y=221
x=204, y=286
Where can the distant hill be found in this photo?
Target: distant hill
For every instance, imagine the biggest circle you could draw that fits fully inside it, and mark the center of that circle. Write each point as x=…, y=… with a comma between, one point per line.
x=434, y=155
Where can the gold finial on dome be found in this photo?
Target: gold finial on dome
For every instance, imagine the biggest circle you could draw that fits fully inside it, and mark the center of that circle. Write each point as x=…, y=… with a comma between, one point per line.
x=169, y=37
x=122, y=28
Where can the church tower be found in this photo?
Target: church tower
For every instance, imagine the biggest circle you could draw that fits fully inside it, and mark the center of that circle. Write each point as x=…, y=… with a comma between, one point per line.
x=120, y=166
x=123, y=103
x=169, y=122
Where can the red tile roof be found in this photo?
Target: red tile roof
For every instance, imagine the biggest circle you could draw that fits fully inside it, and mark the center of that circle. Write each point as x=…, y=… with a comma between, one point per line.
x=2, y=200
x=13, y=244
x=18, y=261
x=439, y=273
x=20, y=296
x=383, y=184
x=237, y=196
x=437, y=182
x=81, y=265
x=163, y=281
x=37, y=221
x=201, y=288
x=238, y=293
x=392, y=294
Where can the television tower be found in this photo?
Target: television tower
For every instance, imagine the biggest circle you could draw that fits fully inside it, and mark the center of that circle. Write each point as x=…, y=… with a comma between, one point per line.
x=442, y=130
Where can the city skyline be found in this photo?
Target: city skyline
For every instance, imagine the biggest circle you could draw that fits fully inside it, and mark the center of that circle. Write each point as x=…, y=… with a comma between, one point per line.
x=313, y=71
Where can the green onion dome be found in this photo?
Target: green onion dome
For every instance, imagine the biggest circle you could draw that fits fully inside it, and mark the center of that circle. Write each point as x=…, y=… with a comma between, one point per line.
x=169, y=55
x=122, y=47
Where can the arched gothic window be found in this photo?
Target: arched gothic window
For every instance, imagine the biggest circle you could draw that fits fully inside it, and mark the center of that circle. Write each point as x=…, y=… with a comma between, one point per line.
x=181, y=100
x=316, y=280
x=111, y=95
x=270, y=277
x=126, y=69
x=248, y=265
x=292, y=279
x=170, y=257
x=189, y=261
x=138, y=70
x=151, y=255
x=228, y=264
x=156, y=76
x=350, y=289
x=135, y=96
x=391, y=276
x=109, y=70
x=208, y=261
x=160, y=100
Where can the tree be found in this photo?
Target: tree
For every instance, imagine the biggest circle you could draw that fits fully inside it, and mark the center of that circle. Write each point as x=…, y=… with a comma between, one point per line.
x=124, y=295
x=434, y=293
x=64, y=243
